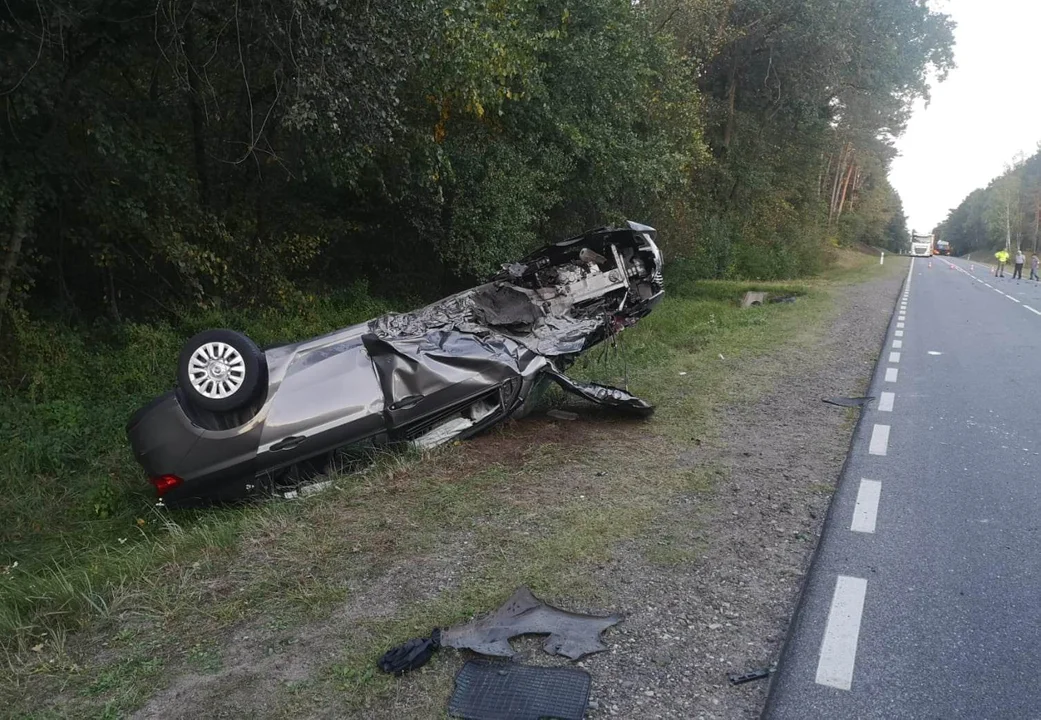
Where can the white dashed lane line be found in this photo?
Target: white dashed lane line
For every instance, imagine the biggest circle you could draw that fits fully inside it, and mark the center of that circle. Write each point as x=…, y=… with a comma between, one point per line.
x=879, y=440
x=865, y=512
x=1032, y=310
x=838, y=652
x=839, y=647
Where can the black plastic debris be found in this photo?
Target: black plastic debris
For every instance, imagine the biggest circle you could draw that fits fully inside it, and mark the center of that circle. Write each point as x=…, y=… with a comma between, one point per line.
x=411, y=655
x=570, y=634
x=849, y=401
x=500, y=691
x=758, y=674
x=605, y=395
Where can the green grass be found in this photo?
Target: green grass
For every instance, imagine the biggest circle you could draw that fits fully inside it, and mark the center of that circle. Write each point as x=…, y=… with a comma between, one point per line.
x=530, y=503
x=78, y=517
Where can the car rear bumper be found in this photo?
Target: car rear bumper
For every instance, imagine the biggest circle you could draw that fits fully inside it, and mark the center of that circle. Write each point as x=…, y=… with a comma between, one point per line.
x=209, y=464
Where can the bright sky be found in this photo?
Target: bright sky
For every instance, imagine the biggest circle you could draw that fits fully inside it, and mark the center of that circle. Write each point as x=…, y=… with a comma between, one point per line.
x=988, y=109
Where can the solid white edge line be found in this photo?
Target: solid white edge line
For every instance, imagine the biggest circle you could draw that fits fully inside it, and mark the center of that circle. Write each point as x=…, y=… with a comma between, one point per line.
x=891, y=374
x=885, y=402
x=898, y=344
x=839, y=646
x=865, y=512
x=894, y=357
x=879, y=444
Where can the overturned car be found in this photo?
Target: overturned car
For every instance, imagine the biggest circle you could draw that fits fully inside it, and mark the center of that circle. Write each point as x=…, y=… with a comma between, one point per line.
x=241, y=417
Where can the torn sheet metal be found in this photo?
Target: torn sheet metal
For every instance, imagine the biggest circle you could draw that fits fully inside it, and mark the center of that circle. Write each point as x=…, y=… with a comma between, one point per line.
x=570, y=634
x=535, y=316
x=558, y=301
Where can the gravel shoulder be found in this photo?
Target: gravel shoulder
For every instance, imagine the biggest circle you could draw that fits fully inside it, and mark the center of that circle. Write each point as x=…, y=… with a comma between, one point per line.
x=781, y=456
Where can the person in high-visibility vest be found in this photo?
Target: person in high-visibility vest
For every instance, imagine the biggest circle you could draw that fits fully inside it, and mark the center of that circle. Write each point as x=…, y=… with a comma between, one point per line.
x=1002, y=257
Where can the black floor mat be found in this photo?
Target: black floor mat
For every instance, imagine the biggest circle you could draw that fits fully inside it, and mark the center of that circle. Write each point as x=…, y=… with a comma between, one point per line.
x=505, y=691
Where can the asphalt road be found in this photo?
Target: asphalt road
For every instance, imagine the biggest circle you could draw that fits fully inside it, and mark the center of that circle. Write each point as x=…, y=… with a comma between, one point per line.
x=924, y=600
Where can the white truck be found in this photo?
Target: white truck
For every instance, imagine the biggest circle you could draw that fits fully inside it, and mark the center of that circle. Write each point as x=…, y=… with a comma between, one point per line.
x=921, y=245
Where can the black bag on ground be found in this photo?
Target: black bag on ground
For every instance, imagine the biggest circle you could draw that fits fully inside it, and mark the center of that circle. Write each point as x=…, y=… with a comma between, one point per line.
x=410, y=655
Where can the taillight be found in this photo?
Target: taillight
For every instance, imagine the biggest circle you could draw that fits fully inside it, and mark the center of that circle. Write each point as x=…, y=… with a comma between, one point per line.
x=165, y=483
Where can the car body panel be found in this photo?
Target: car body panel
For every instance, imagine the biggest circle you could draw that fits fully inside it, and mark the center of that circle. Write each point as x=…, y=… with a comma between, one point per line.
x=446, y=370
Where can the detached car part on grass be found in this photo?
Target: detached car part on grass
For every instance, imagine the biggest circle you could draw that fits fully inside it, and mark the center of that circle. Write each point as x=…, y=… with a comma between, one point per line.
x=240, y=416
x=571, y=635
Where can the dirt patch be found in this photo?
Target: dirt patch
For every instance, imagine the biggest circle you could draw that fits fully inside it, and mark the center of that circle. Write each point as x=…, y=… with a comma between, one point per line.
x=260, y=666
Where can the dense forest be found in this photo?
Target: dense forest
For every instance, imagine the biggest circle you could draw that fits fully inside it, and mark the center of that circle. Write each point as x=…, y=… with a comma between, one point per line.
x=1004, y=214
x=164, y=157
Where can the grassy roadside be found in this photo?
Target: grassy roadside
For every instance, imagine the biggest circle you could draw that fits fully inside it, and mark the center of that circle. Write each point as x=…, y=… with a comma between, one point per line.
x=407, y=545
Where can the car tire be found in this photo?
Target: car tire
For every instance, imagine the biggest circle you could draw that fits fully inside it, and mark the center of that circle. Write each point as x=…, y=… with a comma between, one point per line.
x=221, y=370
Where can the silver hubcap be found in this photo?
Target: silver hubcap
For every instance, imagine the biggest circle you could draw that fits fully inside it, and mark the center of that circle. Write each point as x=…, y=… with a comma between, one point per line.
x=216, y=370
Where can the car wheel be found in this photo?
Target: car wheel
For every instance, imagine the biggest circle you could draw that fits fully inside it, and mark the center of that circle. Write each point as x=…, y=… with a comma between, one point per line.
x=221, y=370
